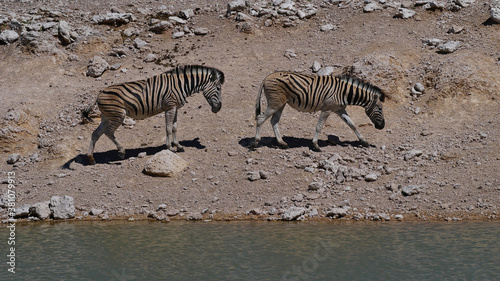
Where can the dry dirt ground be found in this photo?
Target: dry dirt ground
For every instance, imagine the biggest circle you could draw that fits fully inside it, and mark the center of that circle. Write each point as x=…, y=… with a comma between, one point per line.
x=454, y=123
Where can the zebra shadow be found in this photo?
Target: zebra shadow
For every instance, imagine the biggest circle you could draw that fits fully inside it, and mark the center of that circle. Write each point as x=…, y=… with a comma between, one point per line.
x=112, y=157
x=294, y=142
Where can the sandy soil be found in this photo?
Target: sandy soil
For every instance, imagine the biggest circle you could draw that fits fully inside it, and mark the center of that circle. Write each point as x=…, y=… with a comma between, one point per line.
x=454, y=123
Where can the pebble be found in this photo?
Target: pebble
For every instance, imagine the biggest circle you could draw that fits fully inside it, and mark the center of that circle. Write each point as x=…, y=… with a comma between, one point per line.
x=337, y=212
x=405, y=13
x=293, y=213
x=13, y=158
x=412, y=154
x=411, y=190
x=449, y=47
x=371, y=177
x=8, y=37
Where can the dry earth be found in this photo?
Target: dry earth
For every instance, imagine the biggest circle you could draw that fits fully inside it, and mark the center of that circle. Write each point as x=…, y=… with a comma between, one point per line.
x=452, y=127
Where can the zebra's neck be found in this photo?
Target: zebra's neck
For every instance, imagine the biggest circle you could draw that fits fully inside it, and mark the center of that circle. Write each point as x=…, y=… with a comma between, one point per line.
x=352, y=91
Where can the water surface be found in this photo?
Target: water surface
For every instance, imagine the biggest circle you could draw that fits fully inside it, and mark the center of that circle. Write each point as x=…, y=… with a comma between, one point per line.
x=145, y=250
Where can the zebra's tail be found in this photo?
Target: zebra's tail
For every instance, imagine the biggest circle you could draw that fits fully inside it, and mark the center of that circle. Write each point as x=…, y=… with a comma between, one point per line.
x=257, y=104
x=86, y=118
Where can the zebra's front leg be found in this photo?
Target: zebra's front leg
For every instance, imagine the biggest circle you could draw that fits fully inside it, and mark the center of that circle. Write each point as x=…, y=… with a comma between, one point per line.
x=321, y=123
x=169, y=120
x=174, y=135
x=343, y=114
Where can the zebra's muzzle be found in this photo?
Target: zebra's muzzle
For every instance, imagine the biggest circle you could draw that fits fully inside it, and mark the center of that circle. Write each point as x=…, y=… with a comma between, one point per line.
x=216, y=107
x=380, y=125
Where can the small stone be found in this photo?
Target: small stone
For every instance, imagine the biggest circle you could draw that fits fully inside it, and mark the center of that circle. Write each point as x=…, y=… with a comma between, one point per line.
x=412, y=154
x=290, y=53
x=327, y=27
x=405, y=13
x=13, y=158
x=316, y=66
x=160, y=27
x=253, y=176
x=371, y=177
x=325, y=71
x=186, y=14
x=40, y=210
x=142, y=155
x=263, y=175
x=150, y=58
x=139, y=43
x=399, y=217
x=293, y=213
x=96, y=212
x=371, y=7
x=449, y=47
x=201, y=31
x=177, y=35
x=411, y=190
x=162, y=206
x=97, y=66
x=337, y=212
x=314, y=186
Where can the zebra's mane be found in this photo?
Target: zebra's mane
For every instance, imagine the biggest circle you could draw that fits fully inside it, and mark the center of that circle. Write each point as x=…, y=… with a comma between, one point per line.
x=360, y=83
x=194, y=68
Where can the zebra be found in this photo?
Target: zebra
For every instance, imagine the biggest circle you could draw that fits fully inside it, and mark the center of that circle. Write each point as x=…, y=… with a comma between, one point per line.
x=166, y=92
x=312, y=93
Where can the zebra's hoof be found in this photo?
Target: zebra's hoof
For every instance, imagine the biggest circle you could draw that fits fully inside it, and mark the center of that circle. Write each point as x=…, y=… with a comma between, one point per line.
x=121, y=154
x=315, y=148
x=253, y=145
x=365, y=143
x=180, y=149
x=283, y=145
x=91, y=159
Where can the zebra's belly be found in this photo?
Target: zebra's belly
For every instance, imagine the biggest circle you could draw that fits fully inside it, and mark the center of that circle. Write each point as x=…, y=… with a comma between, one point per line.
x=304, y=107
x=142, y=115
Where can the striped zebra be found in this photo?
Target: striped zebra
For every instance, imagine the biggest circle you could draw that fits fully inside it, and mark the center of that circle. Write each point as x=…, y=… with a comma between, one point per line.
x=311, y=93
x=166, y=92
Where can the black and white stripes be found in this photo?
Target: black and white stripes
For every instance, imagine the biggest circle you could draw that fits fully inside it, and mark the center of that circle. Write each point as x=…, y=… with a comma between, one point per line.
x=165, y=92
x=311, y=93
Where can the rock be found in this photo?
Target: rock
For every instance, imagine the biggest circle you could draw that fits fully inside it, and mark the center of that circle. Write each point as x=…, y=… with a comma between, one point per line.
x=150, y=58
x=142, y=155
x=177, y=35
x=28, y=37
x=176, y=20
x=13, y=158
x=434, y=42
x=186, y=14
x=449, y=47
x=162, y=206
x=201, y=31
x=253, y=176
x=66, y=36
x=337, y=212
x=254, y=211
x=411, y=190
x=242, y=17
x=165, y=164
x=290, y=53
x=8, y=37
x=22, y=211
x=399, y=217
x=405, y=13
x=464, y=3
x=97, y=66
x=96, y=212
x=314, y=186
x=316, y=66
x=434, y=5
x=115, y=19
x=62, y=207
x=495, y=10
x=412, y=154
x=327, y=27
x=194, y=217
x=325, y=71
x=372, y=7
x=419, y=88
x=235, y=6
x=455, y=29
x=40, y=210
x=371, y=177
x=263, y=175
x=139, y=43
x=293, y=213
x=131, y=31
x=160, y=27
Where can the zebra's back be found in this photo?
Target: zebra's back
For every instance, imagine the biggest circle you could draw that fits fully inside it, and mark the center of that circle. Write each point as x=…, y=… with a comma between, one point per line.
x=303, y=92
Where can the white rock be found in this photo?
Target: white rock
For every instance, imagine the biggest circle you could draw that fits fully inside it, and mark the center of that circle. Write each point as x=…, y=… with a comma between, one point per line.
x=97, y=66
x=337, y=212
x=139, y=43
x=325, y=71
x=201, y=31
x=114, y=18
x=371, y=7
x=449, y=47
x=405, y=13
x=371, y=177
x=177, y=35
x=40, y=210
x=13, y=158
x=8, y=37
x=327, y=27
x=62, y=207
x=293, y=213
x=316, y=66
x=412, y=153
x=165, y=164
x=235, y=6
x=495, y=10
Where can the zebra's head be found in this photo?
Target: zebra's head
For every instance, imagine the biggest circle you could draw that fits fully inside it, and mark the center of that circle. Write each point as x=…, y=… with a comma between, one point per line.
x=374, y=109
x=212, y=91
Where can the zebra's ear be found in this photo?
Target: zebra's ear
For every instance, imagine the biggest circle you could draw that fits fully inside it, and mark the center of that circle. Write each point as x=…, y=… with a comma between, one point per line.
x=218, y=75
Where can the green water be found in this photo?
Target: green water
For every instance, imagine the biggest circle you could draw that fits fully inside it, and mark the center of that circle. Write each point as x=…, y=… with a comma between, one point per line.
x=253, y=251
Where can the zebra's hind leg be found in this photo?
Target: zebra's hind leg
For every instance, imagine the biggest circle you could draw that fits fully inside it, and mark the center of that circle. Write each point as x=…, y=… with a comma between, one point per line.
x=343, y=114
x=95, y=136
x=259, y=121
x=171, y=129
x=275, y=120
x=110, y=133
x=175, y=143
x=321, y=122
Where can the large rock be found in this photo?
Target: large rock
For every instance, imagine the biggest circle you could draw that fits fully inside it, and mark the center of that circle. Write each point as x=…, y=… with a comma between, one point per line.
x=165, y=164
x=62, y=207
x=22, y=211
x=97, y=66
x=66, y=36
x=235, y=6
x=40, y=210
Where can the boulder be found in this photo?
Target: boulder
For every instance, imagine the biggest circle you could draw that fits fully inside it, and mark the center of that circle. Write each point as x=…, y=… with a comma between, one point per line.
x=115, y=19
x=62, y=207
x=22, y=211
x=40, y=210
x=66, y=36
x=165, y=164
x=495, y=10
